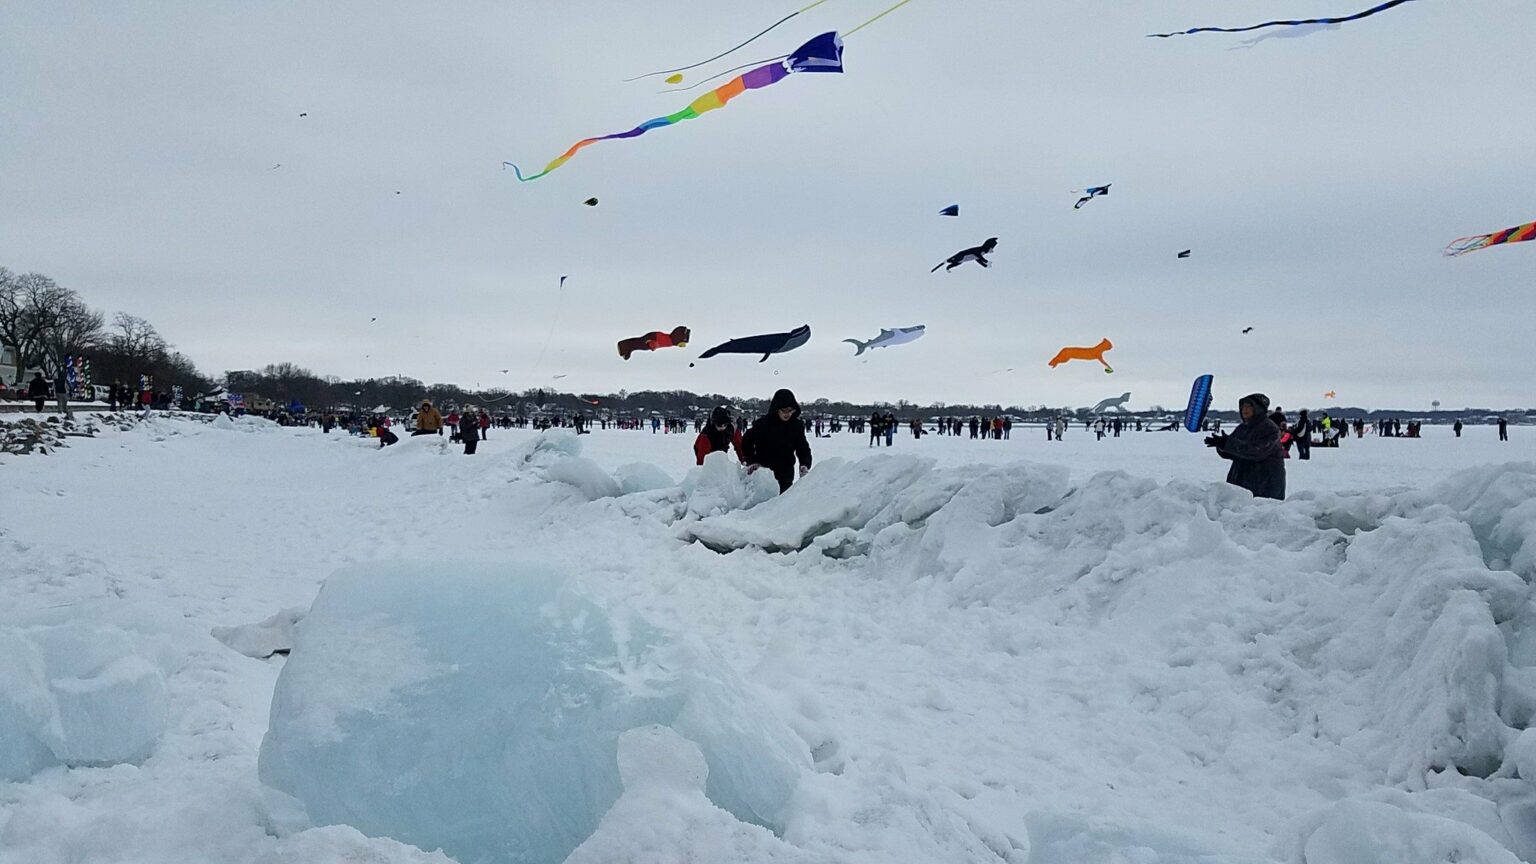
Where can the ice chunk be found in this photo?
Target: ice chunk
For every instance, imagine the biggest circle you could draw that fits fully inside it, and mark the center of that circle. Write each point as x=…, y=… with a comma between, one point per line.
x=837, y=494
x=113, y=716
x=587, y=476
x=262, y=640
x=1356, y=831
x=641, y=477
x=77, y=694
x=479, y=712
x=26, y=710
x=663, y=815
x=721, y=485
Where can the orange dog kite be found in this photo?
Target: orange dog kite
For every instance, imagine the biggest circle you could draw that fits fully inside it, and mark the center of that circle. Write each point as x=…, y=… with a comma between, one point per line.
x=1094, y=353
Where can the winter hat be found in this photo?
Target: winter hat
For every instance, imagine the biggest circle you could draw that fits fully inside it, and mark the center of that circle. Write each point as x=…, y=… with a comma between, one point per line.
x=1259, y=401
x=720, y=416
x=783, y=399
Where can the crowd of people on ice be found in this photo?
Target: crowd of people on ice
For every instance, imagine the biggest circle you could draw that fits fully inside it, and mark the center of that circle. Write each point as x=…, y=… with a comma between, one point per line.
x=779, y=440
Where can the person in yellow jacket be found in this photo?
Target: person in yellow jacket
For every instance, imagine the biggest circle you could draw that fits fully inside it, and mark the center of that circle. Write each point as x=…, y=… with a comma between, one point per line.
x=428, y=421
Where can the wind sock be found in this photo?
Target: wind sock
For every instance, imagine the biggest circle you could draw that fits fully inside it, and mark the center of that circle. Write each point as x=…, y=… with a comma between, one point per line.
x=822, y=54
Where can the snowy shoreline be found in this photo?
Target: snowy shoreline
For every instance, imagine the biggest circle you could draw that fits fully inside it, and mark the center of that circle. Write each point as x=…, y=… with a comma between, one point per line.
x=986, y=659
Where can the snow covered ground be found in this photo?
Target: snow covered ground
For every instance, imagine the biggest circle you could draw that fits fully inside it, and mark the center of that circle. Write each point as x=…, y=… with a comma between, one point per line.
x=1100, y=654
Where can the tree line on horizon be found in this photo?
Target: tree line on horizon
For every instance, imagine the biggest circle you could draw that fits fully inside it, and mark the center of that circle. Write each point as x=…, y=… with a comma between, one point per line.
x=44, y=323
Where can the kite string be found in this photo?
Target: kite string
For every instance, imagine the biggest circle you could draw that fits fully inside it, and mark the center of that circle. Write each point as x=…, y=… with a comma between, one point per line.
x=876, y=18
x=726, y=72
x=559, y=305
x=781, y=56
x=730, y=51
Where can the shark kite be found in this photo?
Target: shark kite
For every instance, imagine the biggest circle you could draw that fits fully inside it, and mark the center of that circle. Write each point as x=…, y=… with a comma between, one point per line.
x=887, y=338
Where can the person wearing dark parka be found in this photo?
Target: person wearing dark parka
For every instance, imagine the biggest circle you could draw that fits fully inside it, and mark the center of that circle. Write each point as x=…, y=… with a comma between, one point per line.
x=1253, y=448
x=777, y=439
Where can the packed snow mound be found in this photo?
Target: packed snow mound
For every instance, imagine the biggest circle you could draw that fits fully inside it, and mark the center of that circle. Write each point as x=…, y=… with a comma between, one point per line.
x=417, y=445
x=79, y=693
x=479, y=711
x=721, y=486
x=663, y=815
x=1499, y=502
x=555, y=455
x=265, y=638
x=1392, y=827
x=346, y=845
x=1056, y=838
x=244, y=423
x=841, y=506
x=637, y=477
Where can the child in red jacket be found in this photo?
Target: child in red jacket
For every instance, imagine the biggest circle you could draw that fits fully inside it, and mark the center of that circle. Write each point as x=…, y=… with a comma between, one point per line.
x=718, y=434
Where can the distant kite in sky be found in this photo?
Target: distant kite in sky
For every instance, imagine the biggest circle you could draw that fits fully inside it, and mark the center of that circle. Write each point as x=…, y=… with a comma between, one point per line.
x=1247, y=329
x=1089, y=194
x=766, y=345
x=1330, y=394
x=678, y=338
x=677, y=78
x=303, y=113
x=1292, y=33
x=1115, y=402
x=1185, y=253
x=1094, y=353
x=822, y=54
x=275, y=167
x=887, y=338
x=590, y=202
x=1297, y=23
x=975, y=253
x=951, y=210
x=1516, y=234
x=563, y=277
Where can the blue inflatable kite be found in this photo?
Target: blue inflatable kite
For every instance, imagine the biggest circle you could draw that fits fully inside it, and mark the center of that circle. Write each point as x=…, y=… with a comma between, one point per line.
x=1199, y=403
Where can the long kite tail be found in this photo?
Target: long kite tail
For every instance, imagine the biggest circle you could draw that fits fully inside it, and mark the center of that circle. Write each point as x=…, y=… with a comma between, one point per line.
x=730, y=50
x=861, y=345
x=1340, y=20
x=1517, y=234
x=1463, y=245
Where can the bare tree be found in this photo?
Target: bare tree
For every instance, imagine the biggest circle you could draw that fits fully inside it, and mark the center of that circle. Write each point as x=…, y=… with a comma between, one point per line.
x=136, y=341
x=51, y=323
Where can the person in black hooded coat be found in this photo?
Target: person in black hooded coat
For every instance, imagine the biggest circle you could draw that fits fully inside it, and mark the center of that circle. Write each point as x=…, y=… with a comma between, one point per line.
x=1258, y=462
x=777, y=439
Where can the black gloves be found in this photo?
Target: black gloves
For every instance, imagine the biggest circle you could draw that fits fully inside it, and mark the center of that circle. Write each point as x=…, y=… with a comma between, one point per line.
x=1215, y=440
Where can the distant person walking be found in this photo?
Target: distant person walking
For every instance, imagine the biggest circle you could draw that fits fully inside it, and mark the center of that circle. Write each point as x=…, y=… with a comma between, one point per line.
x=1303, y=433
x=1258, y=463
x=469, y=430
x=777, y=440
x=37, y=391
x=1456, y=427
x=1503, y=429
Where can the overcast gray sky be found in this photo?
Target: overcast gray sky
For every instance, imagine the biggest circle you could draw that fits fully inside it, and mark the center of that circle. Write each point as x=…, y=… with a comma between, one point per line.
x=1315, y=180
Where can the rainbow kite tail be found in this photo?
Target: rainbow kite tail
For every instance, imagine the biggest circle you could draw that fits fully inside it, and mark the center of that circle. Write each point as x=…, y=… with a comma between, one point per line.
x=518, y=172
